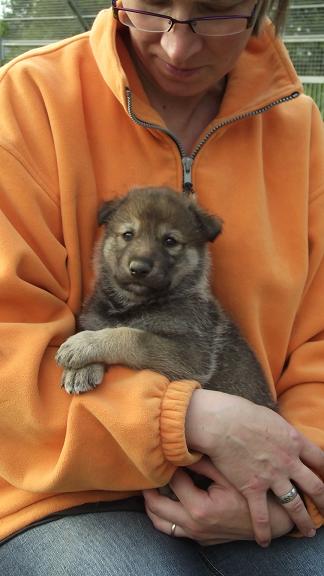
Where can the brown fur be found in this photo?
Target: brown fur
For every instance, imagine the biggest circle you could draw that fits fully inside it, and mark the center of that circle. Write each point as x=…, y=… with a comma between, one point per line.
x=152, y=306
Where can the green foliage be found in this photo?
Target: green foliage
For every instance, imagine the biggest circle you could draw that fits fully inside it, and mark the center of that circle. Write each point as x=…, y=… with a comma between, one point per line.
x=3, y=28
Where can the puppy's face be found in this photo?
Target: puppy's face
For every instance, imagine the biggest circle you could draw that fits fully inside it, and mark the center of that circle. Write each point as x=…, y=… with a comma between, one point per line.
x=154, y=241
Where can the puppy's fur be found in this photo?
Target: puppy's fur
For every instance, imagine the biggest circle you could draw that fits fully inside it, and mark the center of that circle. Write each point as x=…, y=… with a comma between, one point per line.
x=152, y=306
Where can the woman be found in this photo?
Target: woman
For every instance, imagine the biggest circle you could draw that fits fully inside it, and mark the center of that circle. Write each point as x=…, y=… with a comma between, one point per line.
x=197, y=96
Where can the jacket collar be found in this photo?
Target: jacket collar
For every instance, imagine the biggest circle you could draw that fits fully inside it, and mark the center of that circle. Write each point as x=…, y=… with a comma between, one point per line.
x=248, y=87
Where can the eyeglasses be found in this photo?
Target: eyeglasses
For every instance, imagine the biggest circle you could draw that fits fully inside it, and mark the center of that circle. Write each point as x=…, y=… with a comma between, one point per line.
x=204, y=26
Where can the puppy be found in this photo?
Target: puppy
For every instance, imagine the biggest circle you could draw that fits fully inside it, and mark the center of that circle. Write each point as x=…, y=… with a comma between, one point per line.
x=152, y=305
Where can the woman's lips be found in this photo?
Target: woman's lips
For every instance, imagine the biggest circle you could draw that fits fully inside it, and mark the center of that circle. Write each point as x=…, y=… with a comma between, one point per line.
x=180, y=72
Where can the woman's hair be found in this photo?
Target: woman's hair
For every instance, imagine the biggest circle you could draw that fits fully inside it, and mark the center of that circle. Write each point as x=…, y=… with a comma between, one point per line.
x=277, y=10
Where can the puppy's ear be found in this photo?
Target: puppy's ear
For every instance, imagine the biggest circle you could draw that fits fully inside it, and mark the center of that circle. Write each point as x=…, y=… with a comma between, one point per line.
x=107, y=209
x=209, y=225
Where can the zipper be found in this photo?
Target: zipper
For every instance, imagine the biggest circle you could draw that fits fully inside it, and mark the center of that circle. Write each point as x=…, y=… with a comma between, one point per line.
x=187, y=161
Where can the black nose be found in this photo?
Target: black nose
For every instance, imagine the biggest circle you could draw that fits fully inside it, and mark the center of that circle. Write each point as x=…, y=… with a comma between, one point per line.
x=140, y=266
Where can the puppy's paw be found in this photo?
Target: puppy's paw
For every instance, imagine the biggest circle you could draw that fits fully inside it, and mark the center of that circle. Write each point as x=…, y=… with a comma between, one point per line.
x=83, y=379
x=78, y=350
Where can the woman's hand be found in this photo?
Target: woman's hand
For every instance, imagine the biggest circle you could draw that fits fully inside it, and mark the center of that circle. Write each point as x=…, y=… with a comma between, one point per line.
x=215, y=516
x=257, y=450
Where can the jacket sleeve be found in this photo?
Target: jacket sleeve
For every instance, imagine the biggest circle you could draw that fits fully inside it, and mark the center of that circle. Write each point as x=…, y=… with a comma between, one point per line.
x=301, y=386
x=126, y=435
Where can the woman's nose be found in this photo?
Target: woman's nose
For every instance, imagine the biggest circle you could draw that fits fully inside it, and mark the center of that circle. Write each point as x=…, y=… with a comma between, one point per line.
x=181, y=44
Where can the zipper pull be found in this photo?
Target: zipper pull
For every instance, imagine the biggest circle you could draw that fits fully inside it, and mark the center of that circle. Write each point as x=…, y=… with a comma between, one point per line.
x=187, y=175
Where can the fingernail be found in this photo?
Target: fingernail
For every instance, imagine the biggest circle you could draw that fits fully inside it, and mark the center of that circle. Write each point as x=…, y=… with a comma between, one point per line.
x=264, y=544
x=311, y=533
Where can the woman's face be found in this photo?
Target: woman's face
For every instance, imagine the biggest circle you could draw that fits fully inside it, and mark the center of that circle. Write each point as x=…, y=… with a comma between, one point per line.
x=181, y=62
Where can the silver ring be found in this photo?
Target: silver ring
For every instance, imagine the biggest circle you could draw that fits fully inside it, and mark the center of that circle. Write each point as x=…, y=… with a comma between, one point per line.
x=173, y=527
x=289, y=496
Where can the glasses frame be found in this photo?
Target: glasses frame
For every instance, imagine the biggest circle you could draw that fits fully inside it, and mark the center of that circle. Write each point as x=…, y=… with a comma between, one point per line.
x=250, y=19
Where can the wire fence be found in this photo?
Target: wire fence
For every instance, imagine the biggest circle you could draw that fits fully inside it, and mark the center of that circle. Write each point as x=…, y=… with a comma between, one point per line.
x=25, y=24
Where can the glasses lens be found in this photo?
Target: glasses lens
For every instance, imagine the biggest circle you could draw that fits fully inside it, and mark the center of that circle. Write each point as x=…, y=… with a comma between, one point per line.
x=144, y=22
x=221, y=27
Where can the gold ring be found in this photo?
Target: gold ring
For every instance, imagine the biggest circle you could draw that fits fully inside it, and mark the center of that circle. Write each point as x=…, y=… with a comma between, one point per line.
x=173, y=527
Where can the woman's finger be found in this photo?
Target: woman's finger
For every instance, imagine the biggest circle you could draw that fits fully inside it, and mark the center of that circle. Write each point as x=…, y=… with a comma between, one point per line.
x=166, y=526
x=312, y=455
x=259, y=511
x=179, y=524
x=194, y=499
x=164, y=507
x=166, y=513
x=206, y=468
x=291, y=500
x=176, y=531
x=190, y=513
x=311, y=483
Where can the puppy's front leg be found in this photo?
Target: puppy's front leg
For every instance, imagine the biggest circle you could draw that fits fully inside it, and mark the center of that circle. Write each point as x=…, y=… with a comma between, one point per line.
x=110, y=345
x=82, y=348
x=128, y=346
x=82, y=379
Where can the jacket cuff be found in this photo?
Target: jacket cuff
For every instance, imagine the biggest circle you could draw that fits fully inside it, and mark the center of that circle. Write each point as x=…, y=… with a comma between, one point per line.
x=173, y=414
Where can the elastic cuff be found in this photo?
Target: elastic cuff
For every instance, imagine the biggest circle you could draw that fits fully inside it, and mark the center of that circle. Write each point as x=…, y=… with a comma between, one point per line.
x=174, y=409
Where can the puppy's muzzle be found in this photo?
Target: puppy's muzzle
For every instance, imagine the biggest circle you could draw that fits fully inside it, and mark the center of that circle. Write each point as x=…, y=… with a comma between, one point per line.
x=140, y=267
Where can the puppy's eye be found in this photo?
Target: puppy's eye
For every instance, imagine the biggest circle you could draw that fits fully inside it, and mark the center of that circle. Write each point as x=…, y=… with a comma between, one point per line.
x=170, y=241
x=128, y=235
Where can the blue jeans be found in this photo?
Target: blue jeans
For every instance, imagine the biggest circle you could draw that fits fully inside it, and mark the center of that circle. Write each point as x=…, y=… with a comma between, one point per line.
x=126, y=543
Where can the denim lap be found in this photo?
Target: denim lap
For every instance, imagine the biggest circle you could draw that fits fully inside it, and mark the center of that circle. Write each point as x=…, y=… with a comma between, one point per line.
x=286, y=556
x=126, y=543
x=99, y=544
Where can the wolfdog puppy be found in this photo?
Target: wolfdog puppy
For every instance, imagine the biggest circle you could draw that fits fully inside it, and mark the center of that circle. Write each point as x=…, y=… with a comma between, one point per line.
x=152, y=305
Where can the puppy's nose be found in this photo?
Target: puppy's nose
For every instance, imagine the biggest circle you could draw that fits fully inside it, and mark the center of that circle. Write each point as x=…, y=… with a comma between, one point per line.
x=140, y=266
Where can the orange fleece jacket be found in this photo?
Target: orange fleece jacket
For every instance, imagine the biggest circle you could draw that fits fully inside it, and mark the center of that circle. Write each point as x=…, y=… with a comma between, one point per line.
x=67, y=142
